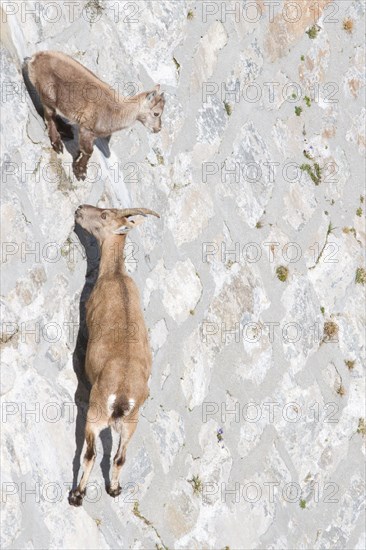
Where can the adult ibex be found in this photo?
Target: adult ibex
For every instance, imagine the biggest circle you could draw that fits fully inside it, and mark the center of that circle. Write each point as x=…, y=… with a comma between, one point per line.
x=69, y=89
x=118, y=357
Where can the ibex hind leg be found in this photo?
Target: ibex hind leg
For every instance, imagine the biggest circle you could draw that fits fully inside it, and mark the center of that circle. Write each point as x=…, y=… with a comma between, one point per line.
x=127, y=429
x=86, y=146
x=54, y=135
x=64, y=128
x=92, y=430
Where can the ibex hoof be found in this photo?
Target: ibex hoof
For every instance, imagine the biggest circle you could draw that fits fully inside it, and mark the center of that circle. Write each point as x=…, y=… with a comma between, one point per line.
x=114, y=492
x=79, y=172
x=57, y=146
x=76, y=498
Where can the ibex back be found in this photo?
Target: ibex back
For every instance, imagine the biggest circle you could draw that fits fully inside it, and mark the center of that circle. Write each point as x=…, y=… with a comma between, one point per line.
x=118, y=356
x=69, y=89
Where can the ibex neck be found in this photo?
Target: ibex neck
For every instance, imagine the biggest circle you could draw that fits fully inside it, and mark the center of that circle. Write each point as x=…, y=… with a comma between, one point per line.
x=112, y=259
x=127, y=112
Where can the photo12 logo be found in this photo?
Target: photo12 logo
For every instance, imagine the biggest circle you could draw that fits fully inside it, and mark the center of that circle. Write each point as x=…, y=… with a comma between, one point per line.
x=71, y=251
x=270, y=412
x=55, y=173
x=67, y=332
x=69, y=11
x=51, y=412
x=253, y=11
x=54, y=491
x=252, y=252
x=271, y=91
x=233, y=173
x=270, y=491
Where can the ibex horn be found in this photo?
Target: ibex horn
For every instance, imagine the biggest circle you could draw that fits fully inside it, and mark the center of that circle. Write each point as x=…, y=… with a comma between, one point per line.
x=138, y=211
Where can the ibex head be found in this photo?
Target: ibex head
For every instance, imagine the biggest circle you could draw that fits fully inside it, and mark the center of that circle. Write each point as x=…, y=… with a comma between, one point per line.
x=151, y=109
x=102, y=222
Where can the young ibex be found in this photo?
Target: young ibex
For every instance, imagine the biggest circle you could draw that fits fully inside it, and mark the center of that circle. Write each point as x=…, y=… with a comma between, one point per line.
x=69, y=89
x=118, y=357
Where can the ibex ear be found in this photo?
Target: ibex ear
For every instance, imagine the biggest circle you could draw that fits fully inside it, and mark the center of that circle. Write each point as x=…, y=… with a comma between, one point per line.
x=130, y=223
x=122, y=230
x=150, y=96
x=136, y=220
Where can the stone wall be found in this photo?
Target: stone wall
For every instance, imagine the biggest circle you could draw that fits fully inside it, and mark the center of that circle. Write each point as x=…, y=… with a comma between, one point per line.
x=251, y=282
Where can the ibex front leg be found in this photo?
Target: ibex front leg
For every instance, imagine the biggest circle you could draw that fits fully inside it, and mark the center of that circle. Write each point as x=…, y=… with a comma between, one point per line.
x=86, y=145
x=53, y=133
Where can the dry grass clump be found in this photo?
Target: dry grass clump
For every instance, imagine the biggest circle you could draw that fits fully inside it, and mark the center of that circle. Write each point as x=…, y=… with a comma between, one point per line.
x=331, y=330
x=348, y=25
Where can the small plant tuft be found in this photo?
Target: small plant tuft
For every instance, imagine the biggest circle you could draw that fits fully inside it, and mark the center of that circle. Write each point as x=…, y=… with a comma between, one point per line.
x=65, y=250
x=361, y=428
x=228, y=108
x=348, y=25
x=331, y=330
x=313, y=32
x=359, y=212
x=330, y=228
x=196, y=484
x=307, y=101
x=190, y=15
x=341, y=390
x=350, y=364
x=315, y=172
x=160, y=159
x=302, y=503
x=93, y=10
x=177, y=64
x=282, y=273
x=360, y=277
x=347, y=230
x=298, y=110
x=302, y=58
x=307, y=155
x=318, y=172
